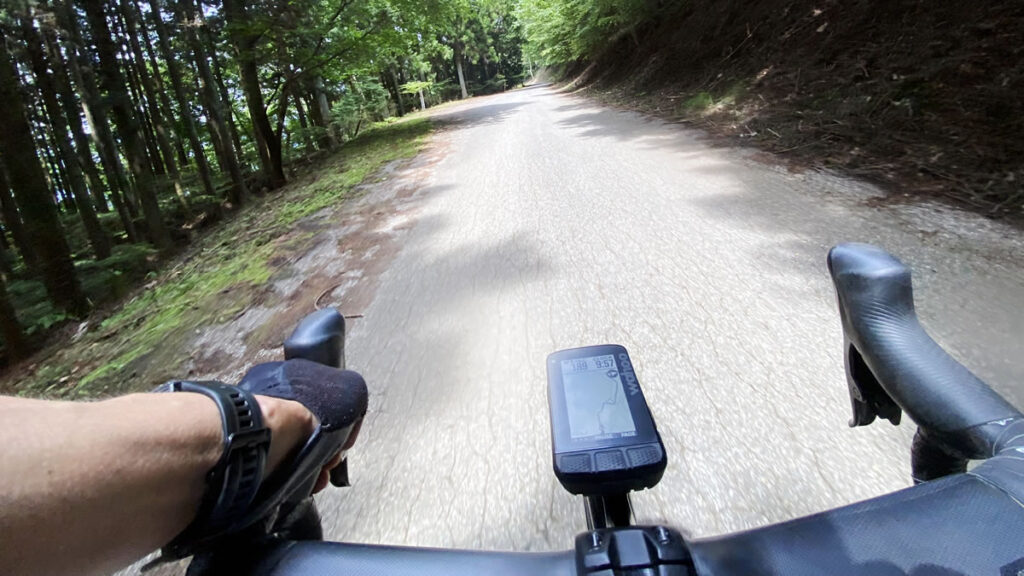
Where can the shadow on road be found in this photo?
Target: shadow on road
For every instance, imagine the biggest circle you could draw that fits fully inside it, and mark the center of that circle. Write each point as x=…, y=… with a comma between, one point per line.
x=532, y=87
x=608, y=124
x=801, y=214
x=414, y=345
x=961, y=283
x=466, y=276
x=574, y=107
x=476, y=116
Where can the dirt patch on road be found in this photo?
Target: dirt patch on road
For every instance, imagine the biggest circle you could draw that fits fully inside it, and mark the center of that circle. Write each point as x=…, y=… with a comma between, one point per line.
x=345, y=253
x=338, y=257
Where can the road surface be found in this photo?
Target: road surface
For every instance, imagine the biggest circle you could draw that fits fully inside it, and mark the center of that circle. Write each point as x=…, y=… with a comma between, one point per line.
x=552, y=222
x=541, y=221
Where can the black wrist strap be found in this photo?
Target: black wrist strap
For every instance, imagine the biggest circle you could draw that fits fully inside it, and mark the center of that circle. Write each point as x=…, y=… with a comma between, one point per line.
x=232, y=484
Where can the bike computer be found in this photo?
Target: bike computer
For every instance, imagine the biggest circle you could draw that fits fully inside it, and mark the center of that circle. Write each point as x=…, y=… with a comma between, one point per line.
x=603, y=438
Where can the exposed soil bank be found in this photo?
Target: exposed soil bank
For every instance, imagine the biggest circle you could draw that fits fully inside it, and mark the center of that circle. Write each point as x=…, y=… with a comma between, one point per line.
x=923, y=97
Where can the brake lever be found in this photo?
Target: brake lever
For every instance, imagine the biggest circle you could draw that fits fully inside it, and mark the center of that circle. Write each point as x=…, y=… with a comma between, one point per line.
x=339, y=474
x=867, y=397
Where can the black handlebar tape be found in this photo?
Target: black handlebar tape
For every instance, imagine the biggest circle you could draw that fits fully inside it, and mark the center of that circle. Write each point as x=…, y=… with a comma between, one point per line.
x=876, y=305
x=930, y=460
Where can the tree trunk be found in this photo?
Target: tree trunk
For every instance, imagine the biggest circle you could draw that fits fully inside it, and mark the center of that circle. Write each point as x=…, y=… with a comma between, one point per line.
x=225, y=97
x=398, y=90
x=153, y=104
x=12, y=221
x=166, y=109
x=95, y=111
x=329, y=139
x=5, y=256
x=238, y=193
x=38, y=122
x=198, y=152
x=14, y=335
x=83, y=155
x=127, y=126
x=229, y=114
x=212, y=130
x=317, y=118
x=244, y=38
x=204, y=110
x=130, y=72
x=98, y=238
x=28, y=182
x=229, y=107
x=139, y=107
x=268, y=143
x=179, y=147
x=306, y=140
x=458, y=69
x=126, y=212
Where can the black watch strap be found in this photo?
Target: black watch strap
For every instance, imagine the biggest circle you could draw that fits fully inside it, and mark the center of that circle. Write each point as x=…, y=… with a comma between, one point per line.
x=232, y=484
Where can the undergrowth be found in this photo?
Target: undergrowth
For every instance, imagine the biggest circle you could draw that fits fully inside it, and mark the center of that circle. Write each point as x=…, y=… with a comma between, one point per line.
x=146, y=340
x=920, y=97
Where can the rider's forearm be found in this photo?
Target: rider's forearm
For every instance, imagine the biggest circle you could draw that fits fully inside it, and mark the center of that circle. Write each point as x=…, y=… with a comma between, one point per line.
x=126, y=476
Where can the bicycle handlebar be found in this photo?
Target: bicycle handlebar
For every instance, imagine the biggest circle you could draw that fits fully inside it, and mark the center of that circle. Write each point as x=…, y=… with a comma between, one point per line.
x=955, y=526
x=968, y=523
x=905, y=367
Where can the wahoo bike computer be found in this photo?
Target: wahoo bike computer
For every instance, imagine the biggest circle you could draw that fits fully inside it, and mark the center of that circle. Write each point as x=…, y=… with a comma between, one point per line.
x=603, y=438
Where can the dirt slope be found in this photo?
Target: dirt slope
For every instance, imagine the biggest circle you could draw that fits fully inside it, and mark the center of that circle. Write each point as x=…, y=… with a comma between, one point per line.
x=922, y=96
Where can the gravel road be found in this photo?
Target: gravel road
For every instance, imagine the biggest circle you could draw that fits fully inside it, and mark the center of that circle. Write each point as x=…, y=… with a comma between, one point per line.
x=552, y=222
x=543, y=221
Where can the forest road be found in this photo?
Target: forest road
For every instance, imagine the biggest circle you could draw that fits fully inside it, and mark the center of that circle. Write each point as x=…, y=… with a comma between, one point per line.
x=544, y=221
x=552, y=222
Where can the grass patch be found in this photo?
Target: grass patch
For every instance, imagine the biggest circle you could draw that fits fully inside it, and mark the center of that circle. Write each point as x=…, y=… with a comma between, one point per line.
x=699, y=102
x=147, y=339
x=382, y=143
x=707, y=103
x=102, y=281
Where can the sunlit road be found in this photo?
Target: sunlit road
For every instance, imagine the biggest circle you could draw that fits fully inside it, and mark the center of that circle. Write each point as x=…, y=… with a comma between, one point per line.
x=553, y=223
x=540, y=221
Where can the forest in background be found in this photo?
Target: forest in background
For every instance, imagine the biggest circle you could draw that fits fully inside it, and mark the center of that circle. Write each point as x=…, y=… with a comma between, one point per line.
x=131, y=126
x=135, y=127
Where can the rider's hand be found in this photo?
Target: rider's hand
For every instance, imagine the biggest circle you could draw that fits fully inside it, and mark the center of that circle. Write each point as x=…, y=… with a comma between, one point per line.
x=291, y=424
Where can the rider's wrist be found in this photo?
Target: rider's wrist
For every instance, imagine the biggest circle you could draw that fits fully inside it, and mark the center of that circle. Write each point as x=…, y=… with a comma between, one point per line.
x=233, y=481
x=290, y=424
x=191, y=429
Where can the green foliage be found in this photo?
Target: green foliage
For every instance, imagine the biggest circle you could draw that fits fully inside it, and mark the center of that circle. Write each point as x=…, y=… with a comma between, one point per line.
x=155, y=314
x=364, y=59
x=698, y=102
x=74, y=231
x=34, y=310
x=102, y=281
x=361, y=104
x=111, y=222
x=416, y=87
x=492, y=86
x=221, y=275
x=131, y=260
x=560, y=31
x=382, y=143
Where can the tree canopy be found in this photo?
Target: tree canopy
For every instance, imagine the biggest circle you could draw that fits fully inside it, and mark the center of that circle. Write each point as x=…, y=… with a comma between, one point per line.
x=561, y=31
